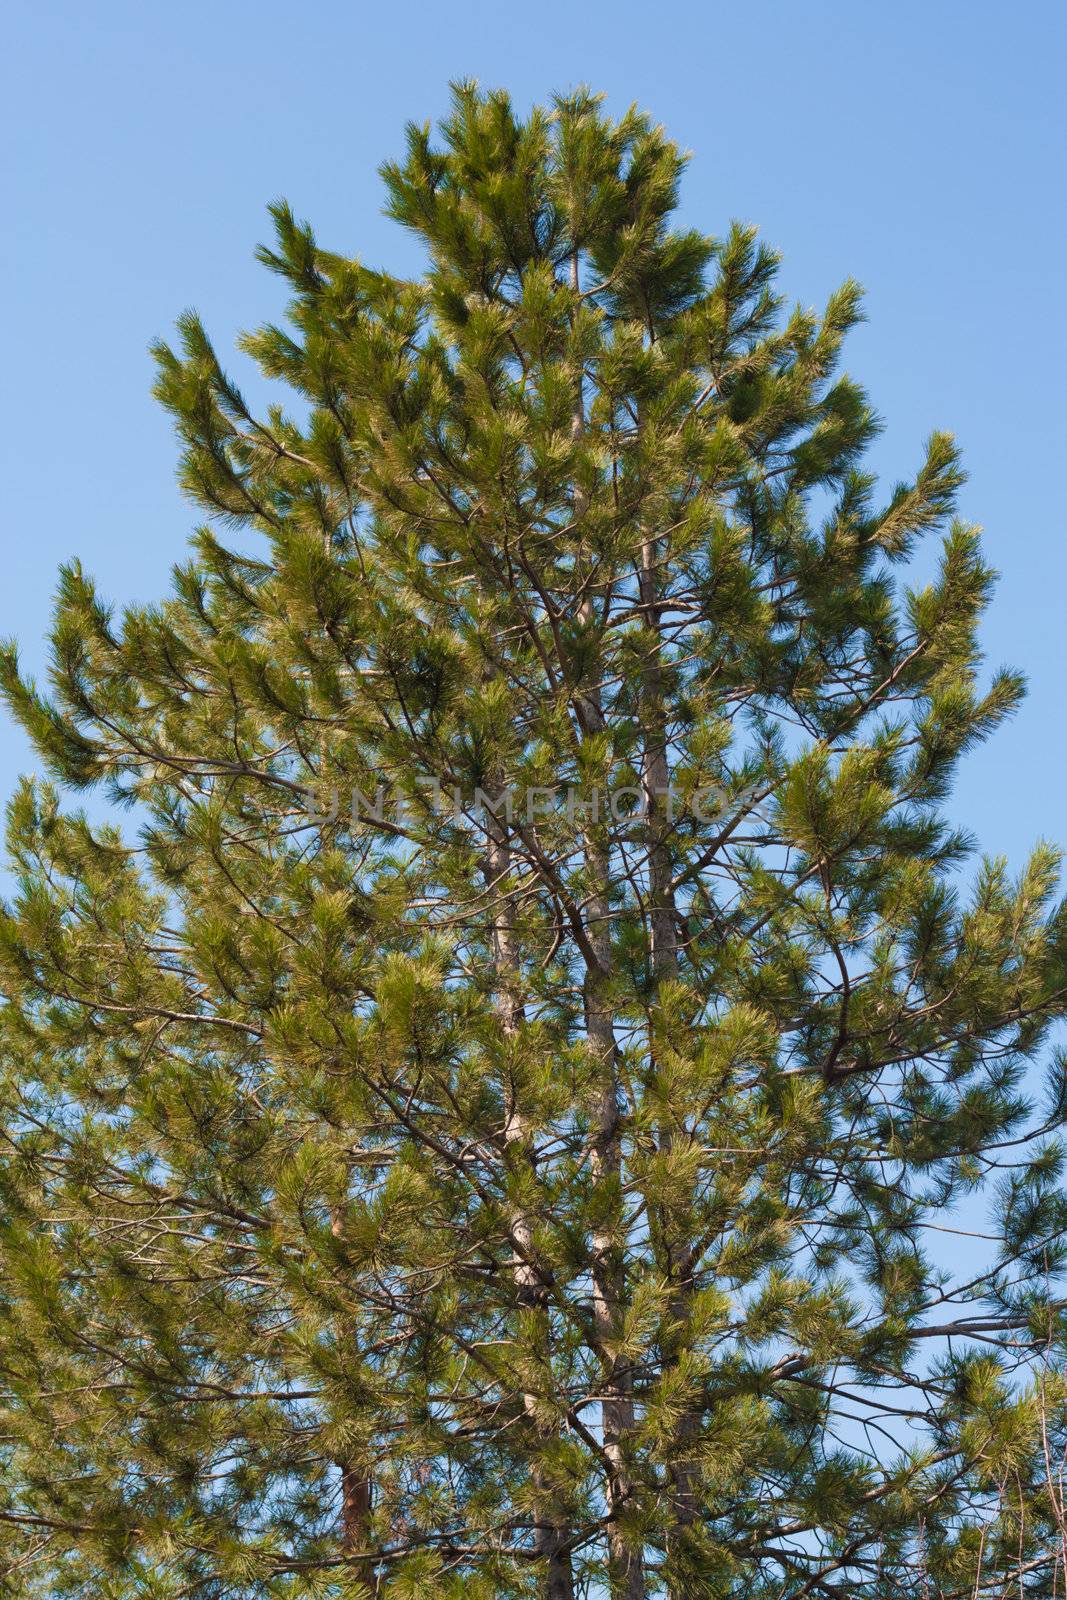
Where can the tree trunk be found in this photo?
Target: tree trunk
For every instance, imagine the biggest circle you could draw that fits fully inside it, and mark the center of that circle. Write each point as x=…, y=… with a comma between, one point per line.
x=663, y=920
x=357, y=1490
x=625, y=1564
x=550, y=1531
x=355, y=1522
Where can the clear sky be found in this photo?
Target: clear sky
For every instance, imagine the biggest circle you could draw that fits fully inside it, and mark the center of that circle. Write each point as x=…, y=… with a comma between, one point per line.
x=918, y=145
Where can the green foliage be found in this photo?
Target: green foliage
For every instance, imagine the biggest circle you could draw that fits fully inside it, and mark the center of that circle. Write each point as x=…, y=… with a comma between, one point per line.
x=435, y=1200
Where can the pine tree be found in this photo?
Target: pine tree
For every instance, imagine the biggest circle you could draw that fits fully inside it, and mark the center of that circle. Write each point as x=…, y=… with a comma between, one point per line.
x=493, y=1121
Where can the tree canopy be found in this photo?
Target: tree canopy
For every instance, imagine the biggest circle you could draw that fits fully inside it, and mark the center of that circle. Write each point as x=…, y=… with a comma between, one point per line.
x=494, y=1121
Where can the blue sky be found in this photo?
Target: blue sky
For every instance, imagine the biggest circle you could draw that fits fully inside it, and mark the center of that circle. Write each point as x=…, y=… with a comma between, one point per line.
x=917, y=147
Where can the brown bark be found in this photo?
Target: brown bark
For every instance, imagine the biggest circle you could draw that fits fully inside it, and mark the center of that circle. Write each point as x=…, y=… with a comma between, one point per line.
x=626, y=1579
x=663, y=921
x=550, y=1531
x=356, y=1505
x=357, y=1490
x=625, y=1564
